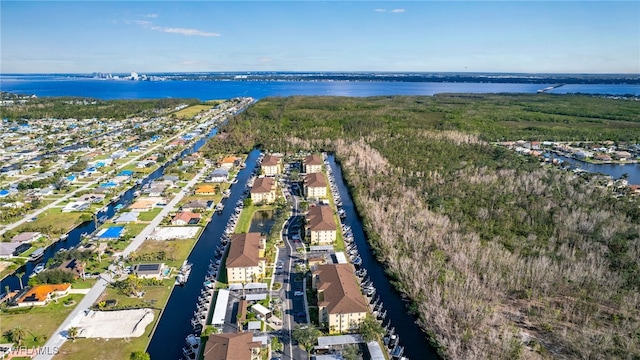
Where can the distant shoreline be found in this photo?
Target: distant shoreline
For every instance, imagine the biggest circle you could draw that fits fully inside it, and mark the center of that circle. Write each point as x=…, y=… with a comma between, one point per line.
x=517, y=78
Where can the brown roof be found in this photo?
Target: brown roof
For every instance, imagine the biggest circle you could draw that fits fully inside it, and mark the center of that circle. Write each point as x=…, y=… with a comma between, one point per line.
x=262, y=185
x=244, y=250
x=315, y=180
x=313, y=160
x=230, y=346
x=186, y=216
x=321, y=218
x=270, y=160
x=339, y=288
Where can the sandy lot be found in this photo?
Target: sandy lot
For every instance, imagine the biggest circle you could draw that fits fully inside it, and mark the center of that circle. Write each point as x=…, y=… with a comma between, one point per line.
x=174, y=232
x=115, y=324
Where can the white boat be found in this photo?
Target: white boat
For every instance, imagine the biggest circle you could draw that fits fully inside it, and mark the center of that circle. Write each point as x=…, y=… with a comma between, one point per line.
x=37, y=270
x=183, y=273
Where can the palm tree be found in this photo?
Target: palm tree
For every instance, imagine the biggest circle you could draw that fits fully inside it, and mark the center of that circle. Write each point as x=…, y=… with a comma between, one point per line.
x=72, y=332
x=17, y=335
x=19, y=275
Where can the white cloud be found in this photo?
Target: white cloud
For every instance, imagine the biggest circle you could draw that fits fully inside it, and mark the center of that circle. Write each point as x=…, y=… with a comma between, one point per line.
x=143, y=22
x=183, y=31
x=397, y=11
x=153, y=16
x=265, y=60
x=380, y=10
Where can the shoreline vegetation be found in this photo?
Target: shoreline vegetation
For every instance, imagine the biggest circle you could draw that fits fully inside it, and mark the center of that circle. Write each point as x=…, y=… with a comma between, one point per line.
x=501, y=257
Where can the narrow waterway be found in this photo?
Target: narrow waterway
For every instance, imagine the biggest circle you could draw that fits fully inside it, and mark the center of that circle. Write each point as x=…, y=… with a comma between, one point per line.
x=413, y=339
x=175, y=321
x=75, y=236
x=616, y=171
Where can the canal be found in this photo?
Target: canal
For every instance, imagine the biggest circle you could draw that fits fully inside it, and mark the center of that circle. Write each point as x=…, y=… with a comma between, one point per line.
x=175, y=321
x=411, y=336
x=75, y=235
x=616, y=171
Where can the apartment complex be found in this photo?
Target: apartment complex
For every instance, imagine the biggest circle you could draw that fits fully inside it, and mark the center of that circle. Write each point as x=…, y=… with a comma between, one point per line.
x=246, y=262
x=321, y=225
x=263, y=191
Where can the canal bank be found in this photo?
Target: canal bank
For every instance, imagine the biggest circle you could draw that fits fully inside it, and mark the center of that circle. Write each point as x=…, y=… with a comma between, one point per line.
x=415, y=341
x=74, y=237
x=175, y=321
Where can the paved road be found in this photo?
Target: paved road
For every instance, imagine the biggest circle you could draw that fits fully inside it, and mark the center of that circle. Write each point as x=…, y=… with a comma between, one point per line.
x=60, y=336
x=68, y=196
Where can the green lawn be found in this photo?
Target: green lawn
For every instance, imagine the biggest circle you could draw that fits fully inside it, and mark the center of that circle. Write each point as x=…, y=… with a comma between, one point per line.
x=149, y=215
x=339, y=245
x=176, y=250
x=39, y=321
x=54, y=221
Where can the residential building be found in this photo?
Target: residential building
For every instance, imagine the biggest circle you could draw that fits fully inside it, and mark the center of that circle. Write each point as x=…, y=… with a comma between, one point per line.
x=320, y=225
x=195, y=205
x=315, y=186
x=263, y=190
x=246, y=262
x=186, y=218
x=146, y=204
x=41, y=295
x=147, y=271
x=205, y=190
x=271, y=165
x=238, y=346
x=312, y=164
x=218, y=175
x=26, y=237
x=341, y=305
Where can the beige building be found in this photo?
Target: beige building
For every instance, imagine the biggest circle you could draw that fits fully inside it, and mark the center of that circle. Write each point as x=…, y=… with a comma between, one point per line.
x=271, y=165
x=263, y=191
x=315, y=186
x=312, y=164
x=239, y=346
x=246, y=262
x=341, y=305
x=321, y=225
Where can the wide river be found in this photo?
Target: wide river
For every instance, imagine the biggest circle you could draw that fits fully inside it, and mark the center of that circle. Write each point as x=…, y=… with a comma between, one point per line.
x=207, y=90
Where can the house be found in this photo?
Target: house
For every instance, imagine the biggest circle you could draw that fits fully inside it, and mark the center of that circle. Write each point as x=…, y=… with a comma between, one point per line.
x=92, y=198
x=74, y=266
x=147, y=271
x=186, y=218
x=271, y=165
x=195, y=205
x=218, y=175
x=315, y=186
x=26, y=237
x=230, y=346
x=205, y=190
x=76, y=206
x=127, y=217
x=171, y=178
x=312, y=164
x=229, y=162
x=263, y=190
x=9, y=249
x=320, y=225
x=156, y=190
x=341, y=305
x=189, y=160
x=146, y=204
x=246, y=262
x=41, y=295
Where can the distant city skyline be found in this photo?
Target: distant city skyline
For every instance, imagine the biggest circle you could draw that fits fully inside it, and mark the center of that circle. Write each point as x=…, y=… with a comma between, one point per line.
x=393, y=36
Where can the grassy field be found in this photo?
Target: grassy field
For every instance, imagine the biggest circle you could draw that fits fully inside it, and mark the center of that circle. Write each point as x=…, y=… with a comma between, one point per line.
x=40, y=322
x=191, y=111
x=155, y=296
x=176, y=250
x=54, y=221
x=339, y=245
x=149, y=215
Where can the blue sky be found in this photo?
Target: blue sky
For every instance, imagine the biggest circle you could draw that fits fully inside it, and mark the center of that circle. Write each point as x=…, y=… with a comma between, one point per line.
x=430, y=36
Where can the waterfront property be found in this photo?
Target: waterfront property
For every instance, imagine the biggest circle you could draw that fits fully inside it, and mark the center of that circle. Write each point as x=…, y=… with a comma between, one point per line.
x=315, y=186
x=271, y=165
x=245, y=262
x=41, y=295
x=263, y=191
x=320, y=225
x=186, y=218
x=26, y=237
x=312, y=164
x=147, y=271
x=232, y=347
x=341, y=305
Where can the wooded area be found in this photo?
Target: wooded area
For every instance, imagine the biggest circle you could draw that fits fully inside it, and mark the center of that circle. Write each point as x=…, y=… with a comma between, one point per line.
x=502, y=258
